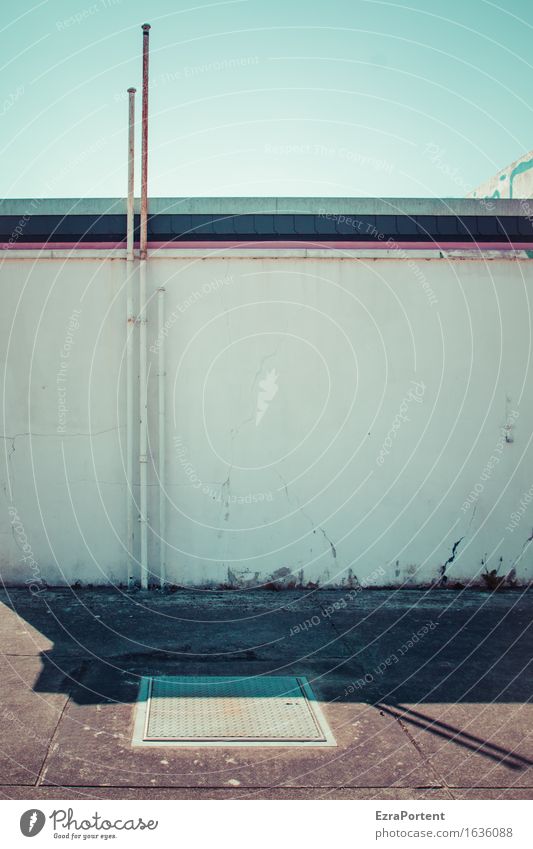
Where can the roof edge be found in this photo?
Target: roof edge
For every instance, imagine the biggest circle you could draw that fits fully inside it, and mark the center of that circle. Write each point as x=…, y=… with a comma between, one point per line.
x=269, y=206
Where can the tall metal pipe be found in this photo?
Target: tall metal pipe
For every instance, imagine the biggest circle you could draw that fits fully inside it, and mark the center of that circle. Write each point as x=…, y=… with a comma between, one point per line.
x=143, y=386
x=161, y=441
x=144, y=143
x=130, y=324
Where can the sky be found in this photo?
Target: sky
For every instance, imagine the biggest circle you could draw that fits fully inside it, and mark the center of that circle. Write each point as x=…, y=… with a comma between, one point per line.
x=266, y=97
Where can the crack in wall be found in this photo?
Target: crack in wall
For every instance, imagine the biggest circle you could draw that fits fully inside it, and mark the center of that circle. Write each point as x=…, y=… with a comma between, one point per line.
x=450, y=560
x=333, y=549
x=295, y=503
x=519, y=556
x=15, y=436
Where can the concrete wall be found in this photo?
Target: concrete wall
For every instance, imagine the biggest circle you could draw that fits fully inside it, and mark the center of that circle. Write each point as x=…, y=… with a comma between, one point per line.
x=513, y=181
x=329, y=420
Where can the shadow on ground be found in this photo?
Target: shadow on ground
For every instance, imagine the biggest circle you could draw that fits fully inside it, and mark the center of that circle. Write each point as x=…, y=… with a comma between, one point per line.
x=422, y=688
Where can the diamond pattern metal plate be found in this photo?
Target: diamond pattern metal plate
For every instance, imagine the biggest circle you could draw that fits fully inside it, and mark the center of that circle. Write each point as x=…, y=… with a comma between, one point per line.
x=210, y=710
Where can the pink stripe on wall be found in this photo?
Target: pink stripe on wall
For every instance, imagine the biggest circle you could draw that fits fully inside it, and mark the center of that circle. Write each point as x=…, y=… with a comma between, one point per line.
x=273, y=245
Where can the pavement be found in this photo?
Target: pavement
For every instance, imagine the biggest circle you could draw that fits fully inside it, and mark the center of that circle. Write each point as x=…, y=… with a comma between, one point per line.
x=428, y=692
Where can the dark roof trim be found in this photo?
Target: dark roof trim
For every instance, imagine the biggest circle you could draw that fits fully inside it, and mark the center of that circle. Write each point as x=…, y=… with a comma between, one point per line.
x=322, y=228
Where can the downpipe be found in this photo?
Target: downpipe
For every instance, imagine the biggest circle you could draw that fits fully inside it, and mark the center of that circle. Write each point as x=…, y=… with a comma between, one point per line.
x=130, y=326
x=143, y=432
x=161, y=439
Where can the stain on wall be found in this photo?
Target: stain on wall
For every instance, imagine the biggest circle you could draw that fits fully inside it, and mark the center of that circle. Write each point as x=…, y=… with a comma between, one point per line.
x=513, y=181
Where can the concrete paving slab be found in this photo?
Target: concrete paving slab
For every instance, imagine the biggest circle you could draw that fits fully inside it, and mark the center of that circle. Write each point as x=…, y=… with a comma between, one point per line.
x=235, y=793
x=17, y=635
x=473, y=745
x=28, y=718
x=462, y=688
x=94, y=742
x=493, y=793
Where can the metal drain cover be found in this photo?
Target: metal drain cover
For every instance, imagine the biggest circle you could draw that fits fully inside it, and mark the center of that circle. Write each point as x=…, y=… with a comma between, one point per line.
x=187, y=710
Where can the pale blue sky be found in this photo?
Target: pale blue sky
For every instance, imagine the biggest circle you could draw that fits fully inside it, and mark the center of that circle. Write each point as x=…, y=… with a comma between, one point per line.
x=266, y=97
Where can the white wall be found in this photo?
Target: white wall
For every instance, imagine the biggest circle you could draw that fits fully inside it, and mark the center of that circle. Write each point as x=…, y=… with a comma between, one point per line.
x=513, y=181
x=397, y=382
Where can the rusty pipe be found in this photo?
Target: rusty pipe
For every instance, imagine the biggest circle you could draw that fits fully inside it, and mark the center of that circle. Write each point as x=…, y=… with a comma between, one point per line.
x=144, y=144
x=143, y=353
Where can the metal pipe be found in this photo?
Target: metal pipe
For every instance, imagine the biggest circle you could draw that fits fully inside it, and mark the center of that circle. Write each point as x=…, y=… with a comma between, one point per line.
x=143, y=432
x=144, y=143
x=131, y=173
x=161, y=461
x=130, y=324
x=143, y=387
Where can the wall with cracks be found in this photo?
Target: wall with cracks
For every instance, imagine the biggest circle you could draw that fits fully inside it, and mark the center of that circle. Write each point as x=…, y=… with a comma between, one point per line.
x=328, y=421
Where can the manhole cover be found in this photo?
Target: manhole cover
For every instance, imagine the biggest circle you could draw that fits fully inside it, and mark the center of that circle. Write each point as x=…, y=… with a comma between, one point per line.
x=208, y=711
